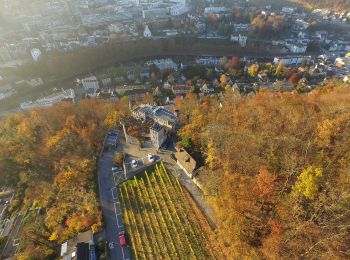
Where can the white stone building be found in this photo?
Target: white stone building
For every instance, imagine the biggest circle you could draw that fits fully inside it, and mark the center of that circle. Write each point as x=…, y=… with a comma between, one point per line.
x=158, y=135
x=36, y=54
x=90, y=85
x=50, y=100
x=147, y=32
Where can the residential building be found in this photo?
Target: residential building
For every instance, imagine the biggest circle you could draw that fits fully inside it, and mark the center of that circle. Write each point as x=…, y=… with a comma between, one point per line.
x=241, y=27
x=186, y=162
x=81, y=247
x=105, y=80
x=90, y=85
x=144, y=74
x=180, y=89
x=135, y=94
x=147, y=32
x=240, y=39
x=158, y=135
x=35, y=82
x=178, y=9
x=294, y=60
x=288, y=9
x=55, y=98
x=211, y=61
x=36, y=53
x=296, y=48
x=153, y=13
x=158, y=114
x=163, y=64
x=6, y=91
x=216, y=10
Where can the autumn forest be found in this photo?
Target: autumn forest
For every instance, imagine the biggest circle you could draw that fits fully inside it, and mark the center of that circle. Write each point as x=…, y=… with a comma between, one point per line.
x=49, y=156
x=276, y=170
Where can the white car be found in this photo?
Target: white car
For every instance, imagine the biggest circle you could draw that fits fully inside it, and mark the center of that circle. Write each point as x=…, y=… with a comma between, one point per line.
x=151, y=157
x=134, y=164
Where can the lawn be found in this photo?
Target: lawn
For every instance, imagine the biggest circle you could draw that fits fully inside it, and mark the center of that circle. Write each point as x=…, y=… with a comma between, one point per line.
x=160, y=219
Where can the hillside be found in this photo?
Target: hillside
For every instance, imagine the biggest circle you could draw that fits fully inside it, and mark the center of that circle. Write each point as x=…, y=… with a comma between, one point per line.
x=276, y=170
x=49, y=157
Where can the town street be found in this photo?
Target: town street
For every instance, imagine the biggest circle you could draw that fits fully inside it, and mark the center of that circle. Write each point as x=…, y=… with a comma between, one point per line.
x=110, y=207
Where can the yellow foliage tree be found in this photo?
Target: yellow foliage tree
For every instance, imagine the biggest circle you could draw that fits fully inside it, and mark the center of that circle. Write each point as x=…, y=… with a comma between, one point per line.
x=309, y=182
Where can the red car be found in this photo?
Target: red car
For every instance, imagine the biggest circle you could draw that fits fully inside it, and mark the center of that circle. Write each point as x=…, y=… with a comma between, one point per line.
x=122, y=240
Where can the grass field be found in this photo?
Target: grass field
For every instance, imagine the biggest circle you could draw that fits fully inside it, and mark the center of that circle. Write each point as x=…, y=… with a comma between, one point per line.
x=161, y=220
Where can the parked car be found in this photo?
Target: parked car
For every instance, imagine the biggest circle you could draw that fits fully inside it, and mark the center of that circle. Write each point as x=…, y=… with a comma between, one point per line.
x=122, y=239
x=151, y=157
x=134, y=164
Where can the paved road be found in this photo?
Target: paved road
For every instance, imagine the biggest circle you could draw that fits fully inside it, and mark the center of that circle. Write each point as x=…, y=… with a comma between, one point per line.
x=110, y=207
x=12, y=242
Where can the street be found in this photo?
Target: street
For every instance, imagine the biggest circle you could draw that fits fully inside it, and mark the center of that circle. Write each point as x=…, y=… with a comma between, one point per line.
x=112, y=214
x=12, y=240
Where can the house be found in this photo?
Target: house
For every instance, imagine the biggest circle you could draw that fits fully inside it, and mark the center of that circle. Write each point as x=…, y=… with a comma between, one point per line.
x=144, y=74
x=35, y=82
x=296, y=48
x=346, y=79
x=293, y=60
x=158, y=114
x=135, y=94
x=186, y=162
x=218, y=10
x=241, y=27
x=105, y=80
x=6, y=91
x=288, y=9
x=180, y=89
x=81, y=247
x=206, y=90
x=178, y=9
x=208, y=61
x=90, y=85
x=242, y=40
x=158, y=135
x=147, y=32
x=163, y=64
x=64, y=95
x=36, y=54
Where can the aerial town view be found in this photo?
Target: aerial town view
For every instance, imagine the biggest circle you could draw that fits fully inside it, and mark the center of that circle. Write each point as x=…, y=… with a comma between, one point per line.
x=174, y=129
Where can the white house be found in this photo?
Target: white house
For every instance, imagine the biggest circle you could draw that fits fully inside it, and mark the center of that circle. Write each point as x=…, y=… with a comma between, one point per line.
x=217, y=10
x=147, y=32
x=55, y=98
x=178, y=9
x=158, y=135
x=163, y=64
x=296, y=48
x=36, y=53
x=90, y=85
x=35, y=82
x=241, y=39
x=291, y=60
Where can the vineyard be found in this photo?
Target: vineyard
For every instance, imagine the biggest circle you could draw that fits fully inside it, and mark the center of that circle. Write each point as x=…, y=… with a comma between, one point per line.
x=160, y=220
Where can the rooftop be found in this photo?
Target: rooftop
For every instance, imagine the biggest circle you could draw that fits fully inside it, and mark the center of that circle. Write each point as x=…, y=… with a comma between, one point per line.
x=156, y=127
